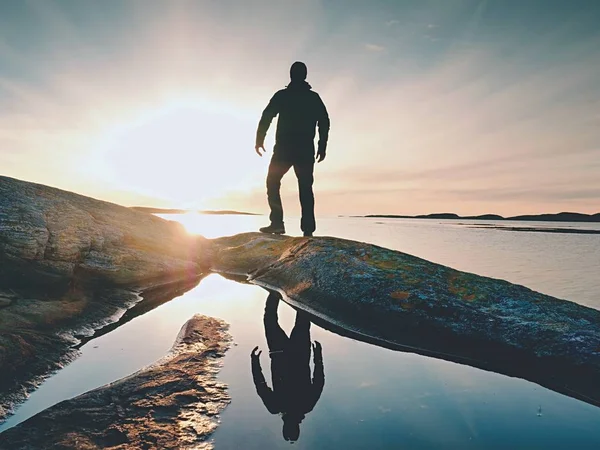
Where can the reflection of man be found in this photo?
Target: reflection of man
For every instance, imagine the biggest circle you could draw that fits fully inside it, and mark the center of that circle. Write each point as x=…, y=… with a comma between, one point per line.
x=294, y=394
x=300, y=110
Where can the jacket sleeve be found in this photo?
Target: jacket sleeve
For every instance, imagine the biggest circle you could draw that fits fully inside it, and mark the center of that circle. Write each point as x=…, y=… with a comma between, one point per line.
x=267, y=117
x=262, y=389
x=322, y=124
x=318, y=382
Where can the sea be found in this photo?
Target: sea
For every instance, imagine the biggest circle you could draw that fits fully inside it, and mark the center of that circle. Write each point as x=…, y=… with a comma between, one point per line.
x=373, y=397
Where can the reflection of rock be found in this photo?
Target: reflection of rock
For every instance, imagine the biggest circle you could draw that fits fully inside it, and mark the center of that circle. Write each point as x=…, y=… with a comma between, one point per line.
x=69, y=264
x=36, y=335
x=399, y=300
x=172, y=404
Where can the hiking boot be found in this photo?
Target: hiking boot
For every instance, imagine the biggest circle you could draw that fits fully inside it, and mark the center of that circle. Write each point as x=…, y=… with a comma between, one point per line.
x=308, y=234
x=273, y=229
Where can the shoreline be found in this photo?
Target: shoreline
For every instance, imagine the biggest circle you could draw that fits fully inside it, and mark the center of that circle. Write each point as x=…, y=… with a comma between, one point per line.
x=558, y=217
x=536, y=230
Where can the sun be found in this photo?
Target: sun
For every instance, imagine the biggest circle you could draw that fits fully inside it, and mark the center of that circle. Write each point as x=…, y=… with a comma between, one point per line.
x=183, y=153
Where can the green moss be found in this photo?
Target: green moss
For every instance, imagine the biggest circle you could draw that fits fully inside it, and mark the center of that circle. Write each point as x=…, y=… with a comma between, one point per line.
x=465, y=286
x=400, y=295
x=386, y=261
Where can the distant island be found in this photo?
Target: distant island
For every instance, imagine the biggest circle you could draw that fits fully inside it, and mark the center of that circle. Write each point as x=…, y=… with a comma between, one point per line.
x=224, y=212
x=559, y=217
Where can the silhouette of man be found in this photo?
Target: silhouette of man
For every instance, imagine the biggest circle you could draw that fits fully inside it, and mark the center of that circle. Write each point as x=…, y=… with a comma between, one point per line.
x=294, y=394
x=300, y=109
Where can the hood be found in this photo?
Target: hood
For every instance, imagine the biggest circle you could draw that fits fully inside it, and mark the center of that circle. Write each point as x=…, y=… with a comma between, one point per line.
x=299, y=85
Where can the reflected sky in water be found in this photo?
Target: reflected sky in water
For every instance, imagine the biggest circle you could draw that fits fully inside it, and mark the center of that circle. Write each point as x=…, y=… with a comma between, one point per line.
x=373, y=397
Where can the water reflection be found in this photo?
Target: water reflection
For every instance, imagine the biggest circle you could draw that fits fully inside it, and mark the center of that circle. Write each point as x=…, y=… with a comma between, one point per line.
x=376, y=398
x=294, y=393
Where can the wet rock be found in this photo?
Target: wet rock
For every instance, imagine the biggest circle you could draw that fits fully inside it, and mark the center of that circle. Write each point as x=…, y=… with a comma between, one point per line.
x=70, y=264
x=173, y=404
x=401, y=301
x=39, y=335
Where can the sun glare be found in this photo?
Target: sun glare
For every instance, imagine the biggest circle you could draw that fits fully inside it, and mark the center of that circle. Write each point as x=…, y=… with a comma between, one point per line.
x=214, y=225
x=184, y=154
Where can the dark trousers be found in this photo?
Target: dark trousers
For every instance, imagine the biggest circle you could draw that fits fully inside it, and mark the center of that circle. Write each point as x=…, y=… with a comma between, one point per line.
x=298, y=344
x=290, y=356
x=303, y=168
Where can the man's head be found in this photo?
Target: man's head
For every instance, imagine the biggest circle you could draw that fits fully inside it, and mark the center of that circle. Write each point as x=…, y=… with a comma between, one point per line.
x=298, y=71
x=291, y=426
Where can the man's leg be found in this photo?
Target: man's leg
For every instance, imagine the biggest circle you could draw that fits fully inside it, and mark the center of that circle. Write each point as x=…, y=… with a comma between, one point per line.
x=299, y=353
x=277, y=169
x=300, y=335
x=304, y=173
x=277, y=340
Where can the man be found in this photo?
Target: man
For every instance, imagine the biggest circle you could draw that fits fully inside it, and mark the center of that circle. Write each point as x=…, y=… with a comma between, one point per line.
x=294, y=393
x=300, y=109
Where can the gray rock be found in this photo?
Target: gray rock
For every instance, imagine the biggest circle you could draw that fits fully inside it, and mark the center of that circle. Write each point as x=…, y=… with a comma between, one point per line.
x=404, y=302
x=53, y=237
x=172, y=404
x=72, y=264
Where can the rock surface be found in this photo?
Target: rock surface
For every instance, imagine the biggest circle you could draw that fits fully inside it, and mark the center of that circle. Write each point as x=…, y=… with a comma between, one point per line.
x=401, y=301
x=69, y=264
x=52, y=237
x=173, y=404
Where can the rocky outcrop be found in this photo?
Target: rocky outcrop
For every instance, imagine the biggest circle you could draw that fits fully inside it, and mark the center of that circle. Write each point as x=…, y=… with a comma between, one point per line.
x=401, y=301
x=173, y=404
x=70, y=264
x=52, y=237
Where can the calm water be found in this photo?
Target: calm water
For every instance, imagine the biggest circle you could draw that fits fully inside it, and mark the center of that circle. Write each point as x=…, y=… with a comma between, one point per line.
x=373, y=397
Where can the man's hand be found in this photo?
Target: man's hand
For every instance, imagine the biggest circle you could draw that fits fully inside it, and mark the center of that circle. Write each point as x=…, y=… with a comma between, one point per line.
x=317, y=351
x=255, y=355
x=258, y=149
x=321, y=155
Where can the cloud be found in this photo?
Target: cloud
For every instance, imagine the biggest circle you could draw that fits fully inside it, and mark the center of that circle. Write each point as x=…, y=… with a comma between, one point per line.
x=374, y=48
x=419, y=128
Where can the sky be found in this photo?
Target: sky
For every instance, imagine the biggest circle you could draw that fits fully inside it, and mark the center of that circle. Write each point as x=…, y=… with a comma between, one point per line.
x=466, y=106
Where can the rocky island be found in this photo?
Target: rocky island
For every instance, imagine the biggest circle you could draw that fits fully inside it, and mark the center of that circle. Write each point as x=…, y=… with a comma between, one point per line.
x=71, y=264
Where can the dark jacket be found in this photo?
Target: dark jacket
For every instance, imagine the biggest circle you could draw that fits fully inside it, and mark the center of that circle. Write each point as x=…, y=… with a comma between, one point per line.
x=300, y=109
x=294, y=392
